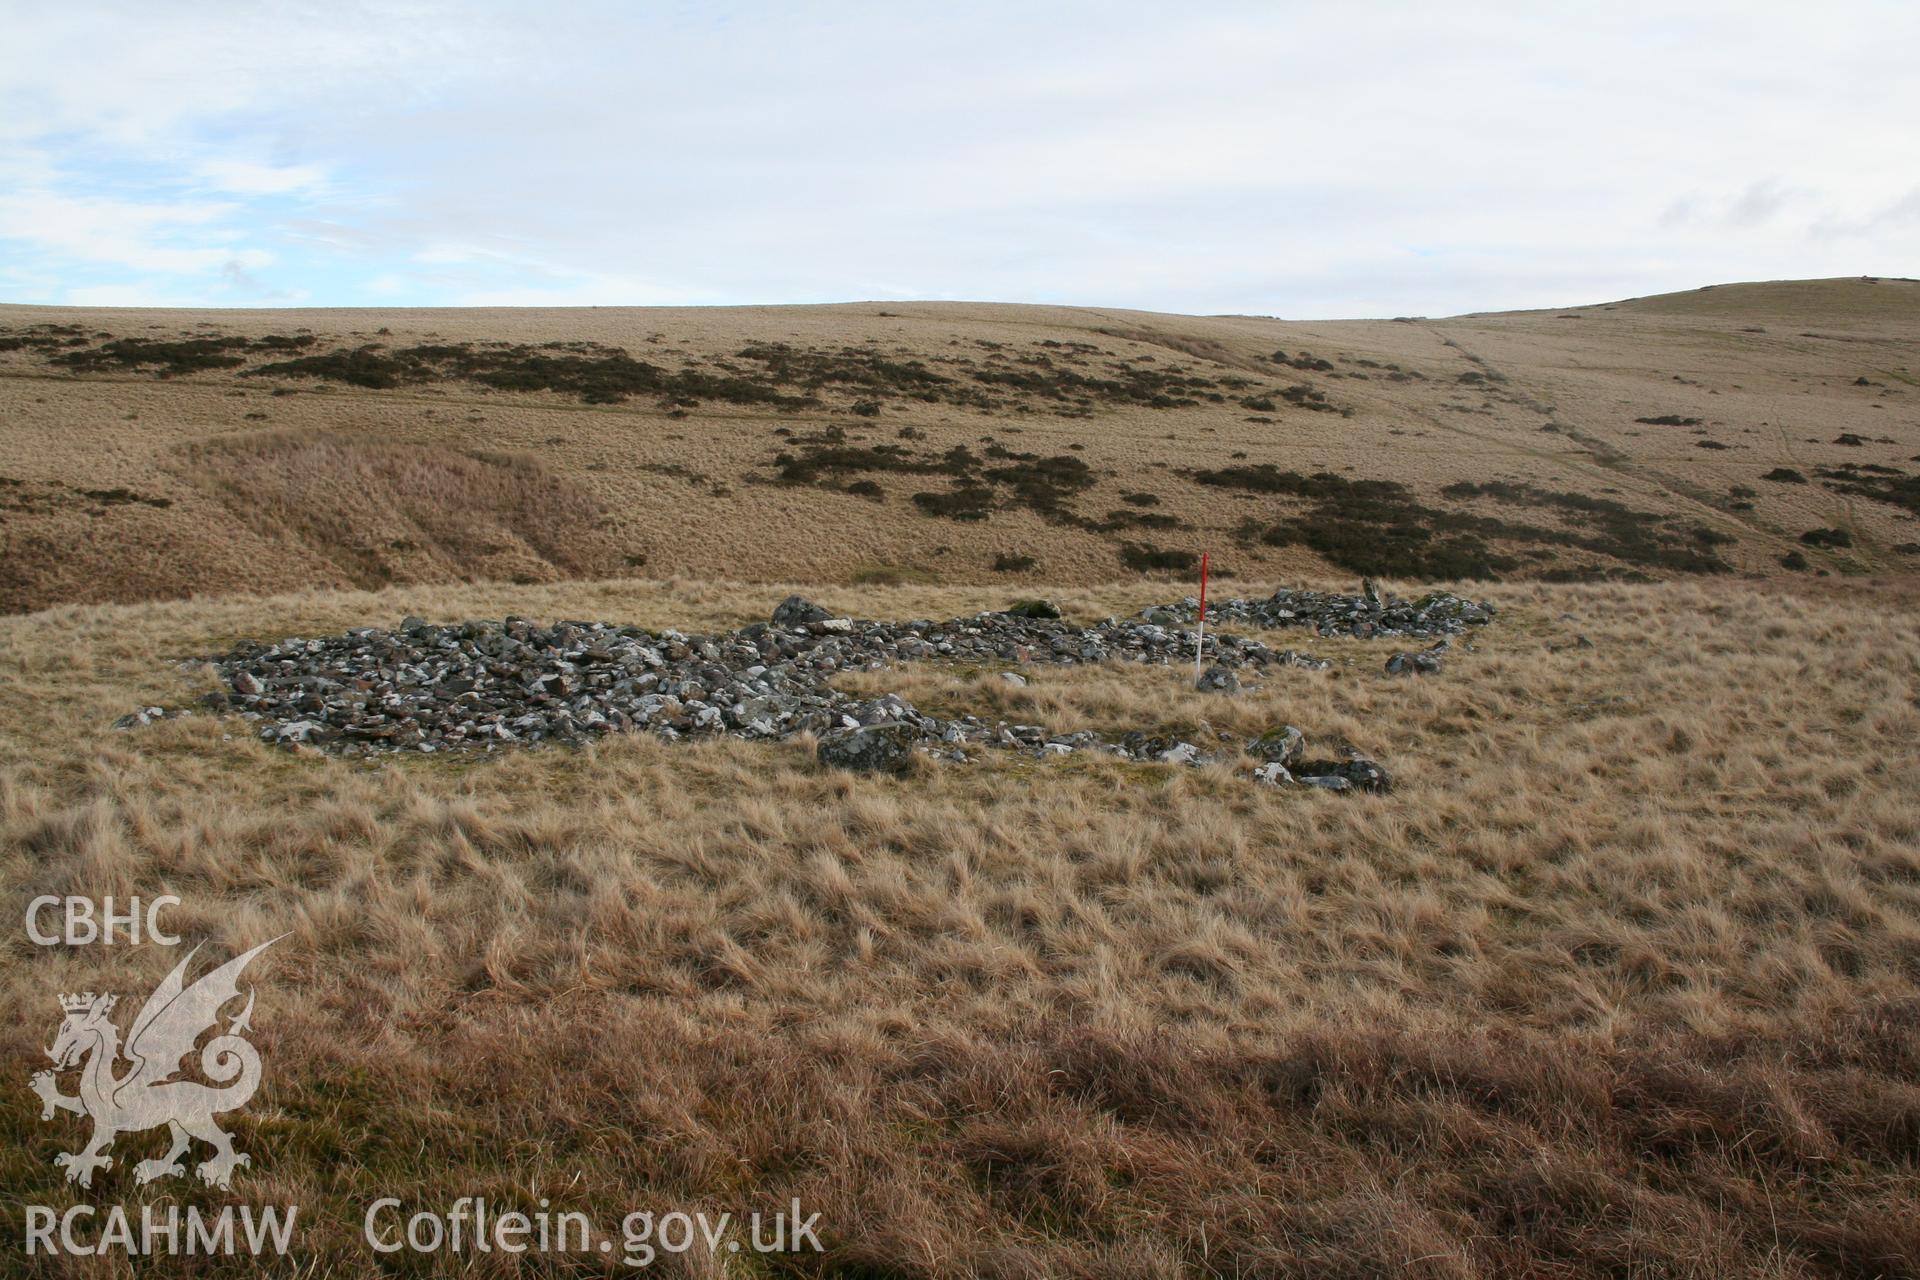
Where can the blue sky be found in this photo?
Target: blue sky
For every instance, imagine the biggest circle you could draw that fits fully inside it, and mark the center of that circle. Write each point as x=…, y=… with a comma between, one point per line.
x=1297, y=159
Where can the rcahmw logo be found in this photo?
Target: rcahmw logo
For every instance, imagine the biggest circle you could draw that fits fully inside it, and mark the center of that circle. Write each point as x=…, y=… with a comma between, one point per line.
x=128, y=1084
x=146, y=1095
x=160, y=1229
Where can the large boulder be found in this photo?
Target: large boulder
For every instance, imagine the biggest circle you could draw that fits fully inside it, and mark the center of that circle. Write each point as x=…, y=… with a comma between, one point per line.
x=1426, y=662
x=882, y=748
x=1218, y=679
x=798, y=611
x=1281, y=744
x=1356, y=772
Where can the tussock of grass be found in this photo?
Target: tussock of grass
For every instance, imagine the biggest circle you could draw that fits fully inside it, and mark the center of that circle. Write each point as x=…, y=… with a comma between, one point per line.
x=1373, y=527
x=167, y=358
x=588, y=371
x=1005, y=478
x=1144, y=557
x=889, y=575
x=860, y=368
x=1880, y=483
x=1609, y=527
x=1378, y=527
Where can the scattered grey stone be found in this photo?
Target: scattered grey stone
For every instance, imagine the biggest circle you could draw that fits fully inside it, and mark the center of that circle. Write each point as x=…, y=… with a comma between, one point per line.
x=1371, y=613
x=479, y=684
x=485, y=685
x=297, y=731
x=1425, y=662
x=1355, y=771
x=1282, y=745
x=1367, y=775
x=1274, y=775
x=1218, y=679
x=798, y=611
x=882, y=749
x=1014, y=678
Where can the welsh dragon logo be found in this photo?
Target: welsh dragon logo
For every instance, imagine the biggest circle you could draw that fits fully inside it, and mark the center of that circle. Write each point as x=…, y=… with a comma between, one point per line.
x=146, y=1096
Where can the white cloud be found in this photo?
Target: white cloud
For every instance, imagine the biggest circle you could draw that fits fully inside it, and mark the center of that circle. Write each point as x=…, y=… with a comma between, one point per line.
x=245, y=178
x=612, y=292
x=1268, y=157
x=141, y=293
x=449, y=255
x=138, y=235
x=1902, y=212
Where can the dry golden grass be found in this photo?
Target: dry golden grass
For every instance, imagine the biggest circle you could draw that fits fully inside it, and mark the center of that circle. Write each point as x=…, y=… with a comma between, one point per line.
x=1623, y=979
x=371, y=512
x=1773, y=372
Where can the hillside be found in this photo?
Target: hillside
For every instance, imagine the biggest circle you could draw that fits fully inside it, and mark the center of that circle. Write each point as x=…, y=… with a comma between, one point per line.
x=158, y=454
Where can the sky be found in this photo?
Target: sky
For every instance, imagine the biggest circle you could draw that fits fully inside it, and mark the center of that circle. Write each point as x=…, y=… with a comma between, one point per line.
x=1306, y=160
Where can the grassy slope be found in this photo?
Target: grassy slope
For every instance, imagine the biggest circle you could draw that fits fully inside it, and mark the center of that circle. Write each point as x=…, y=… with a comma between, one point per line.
x=1623, y=978
x=443, y=480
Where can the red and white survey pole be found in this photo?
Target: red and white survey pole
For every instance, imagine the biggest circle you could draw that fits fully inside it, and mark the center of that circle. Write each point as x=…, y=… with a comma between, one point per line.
x=1200, y=636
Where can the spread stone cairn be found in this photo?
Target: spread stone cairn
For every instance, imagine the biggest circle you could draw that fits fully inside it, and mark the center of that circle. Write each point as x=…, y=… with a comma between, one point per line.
x=1369, y=614
x=481, y=685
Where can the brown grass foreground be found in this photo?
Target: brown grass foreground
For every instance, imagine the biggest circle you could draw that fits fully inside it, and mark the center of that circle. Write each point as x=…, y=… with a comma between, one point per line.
x=1623, y=979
